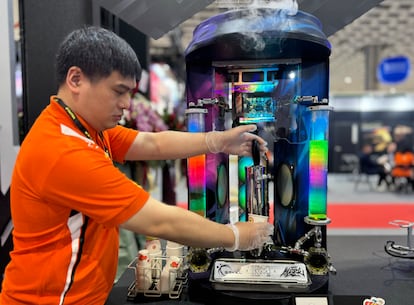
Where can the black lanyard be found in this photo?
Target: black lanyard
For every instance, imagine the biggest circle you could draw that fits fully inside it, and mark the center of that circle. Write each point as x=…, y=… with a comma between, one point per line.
x=82, y=128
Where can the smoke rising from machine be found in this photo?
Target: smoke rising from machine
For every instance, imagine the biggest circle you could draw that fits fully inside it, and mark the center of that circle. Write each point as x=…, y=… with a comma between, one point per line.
x=252, y=24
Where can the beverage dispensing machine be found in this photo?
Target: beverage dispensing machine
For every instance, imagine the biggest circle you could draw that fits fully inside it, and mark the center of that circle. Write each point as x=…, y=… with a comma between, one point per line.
x=268, y=67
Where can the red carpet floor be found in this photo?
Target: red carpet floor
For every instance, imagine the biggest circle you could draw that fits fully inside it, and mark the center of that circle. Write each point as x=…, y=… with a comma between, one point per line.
x=364, y=215
x=368, y=216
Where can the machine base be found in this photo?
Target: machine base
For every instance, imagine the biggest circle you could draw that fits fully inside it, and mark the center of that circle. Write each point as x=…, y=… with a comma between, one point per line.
x=259, y=275
x=203, y=291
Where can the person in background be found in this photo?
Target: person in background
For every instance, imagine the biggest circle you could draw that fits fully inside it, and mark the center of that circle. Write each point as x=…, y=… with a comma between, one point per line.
x=369, y=165
x=68, y=200
x=386, y=160
x=402, y=171
x=366, y=163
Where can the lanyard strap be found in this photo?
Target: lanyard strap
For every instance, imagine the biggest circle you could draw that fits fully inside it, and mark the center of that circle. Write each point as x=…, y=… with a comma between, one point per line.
x=82, y=128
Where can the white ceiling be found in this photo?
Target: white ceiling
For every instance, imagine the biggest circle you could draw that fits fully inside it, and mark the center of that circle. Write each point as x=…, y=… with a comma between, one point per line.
x=388, y=27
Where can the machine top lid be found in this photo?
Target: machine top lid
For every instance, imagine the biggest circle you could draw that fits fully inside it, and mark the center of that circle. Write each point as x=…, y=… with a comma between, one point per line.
x=261, y=23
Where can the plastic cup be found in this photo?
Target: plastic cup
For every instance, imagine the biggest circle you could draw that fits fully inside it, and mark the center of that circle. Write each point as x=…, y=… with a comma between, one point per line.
x=174, y=249
x=258, y=218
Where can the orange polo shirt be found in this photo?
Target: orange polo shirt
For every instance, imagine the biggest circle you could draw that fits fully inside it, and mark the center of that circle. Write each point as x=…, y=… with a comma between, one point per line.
x=67, y=201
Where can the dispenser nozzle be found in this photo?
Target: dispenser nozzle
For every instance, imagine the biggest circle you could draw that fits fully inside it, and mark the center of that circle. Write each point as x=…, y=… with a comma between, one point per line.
x=256, y=152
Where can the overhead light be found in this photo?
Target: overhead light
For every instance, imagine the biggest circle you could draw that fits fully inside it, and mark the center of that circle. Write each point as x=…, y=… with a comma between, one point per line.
x=348, y=80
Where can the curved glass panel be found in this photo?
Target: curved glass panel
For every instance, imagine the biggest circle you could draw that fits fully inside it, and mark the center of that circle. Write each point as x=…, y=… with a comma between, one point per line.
x=284, y=185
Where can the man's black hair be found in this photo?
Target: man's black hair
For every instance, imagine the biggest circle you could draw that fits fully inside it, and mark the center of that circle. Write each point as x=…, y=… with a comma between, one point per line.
x=97, y=52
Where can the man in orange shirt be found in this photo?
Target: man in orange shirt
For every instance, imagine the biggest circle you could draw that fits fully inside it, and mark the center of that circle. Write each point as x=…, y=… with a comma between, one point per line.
x=68, y=200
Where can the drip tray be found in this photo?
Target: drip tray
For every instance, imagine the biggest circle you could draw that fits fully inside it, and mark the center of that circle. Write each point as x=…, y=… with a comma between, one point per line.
x=259, y=275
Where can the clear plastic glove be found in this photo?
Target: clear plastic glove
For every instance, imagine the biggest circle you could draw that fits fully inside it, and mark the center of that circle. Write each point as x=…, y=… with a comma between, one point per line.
x=235, y=141
x=250, y=235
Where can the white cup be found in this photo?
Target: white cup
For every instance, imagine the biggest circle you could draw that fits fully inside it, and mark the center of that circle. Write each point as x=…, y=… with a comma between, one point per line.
x=174, y=249
x=143, y=271
x=153, y=245
x=169, y=273
x=143, y=278
x=257, y=218
x=143, y=258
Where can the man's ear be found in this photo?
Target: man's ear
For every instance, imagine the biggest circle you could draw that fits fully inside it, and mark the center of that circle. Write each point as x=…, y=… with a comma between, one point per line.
x=74, y=78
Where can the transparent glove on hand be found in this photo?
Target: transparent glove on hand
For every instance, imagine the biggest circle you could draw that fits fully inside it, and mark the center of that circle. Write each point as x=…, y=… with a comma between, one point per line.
x=235, y=141
x=249, y=235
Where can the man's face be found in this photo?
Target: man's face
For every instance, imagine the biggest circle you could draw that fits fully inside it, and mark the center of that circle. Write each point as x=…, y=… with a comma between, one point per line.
x=102, y=102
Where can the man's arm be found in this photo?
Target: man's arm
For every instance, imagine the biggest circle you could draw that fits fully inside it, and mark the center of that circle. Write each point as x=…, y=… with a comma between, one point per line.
x=170, y=145
x=179, y=225
x=188, y=228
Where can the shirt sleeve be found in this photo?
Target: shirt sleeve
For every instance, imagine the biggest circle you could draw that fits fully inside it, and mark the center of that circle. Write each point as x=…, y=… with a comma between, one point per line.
x=120, y=139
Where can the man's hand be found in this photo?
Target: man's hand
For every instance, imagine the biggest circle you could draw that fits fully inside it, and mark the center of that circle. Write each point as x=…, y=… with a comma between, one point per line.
x=250, y=235
x=235, y=141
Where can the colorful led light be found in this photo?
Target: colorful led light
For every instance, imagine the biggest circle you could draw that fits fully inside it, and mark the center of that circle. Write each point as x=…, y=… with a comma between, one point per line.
x=249, y=88
x=197, y=184
x=259, y=119
x=318, y=173
x=196, y=166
